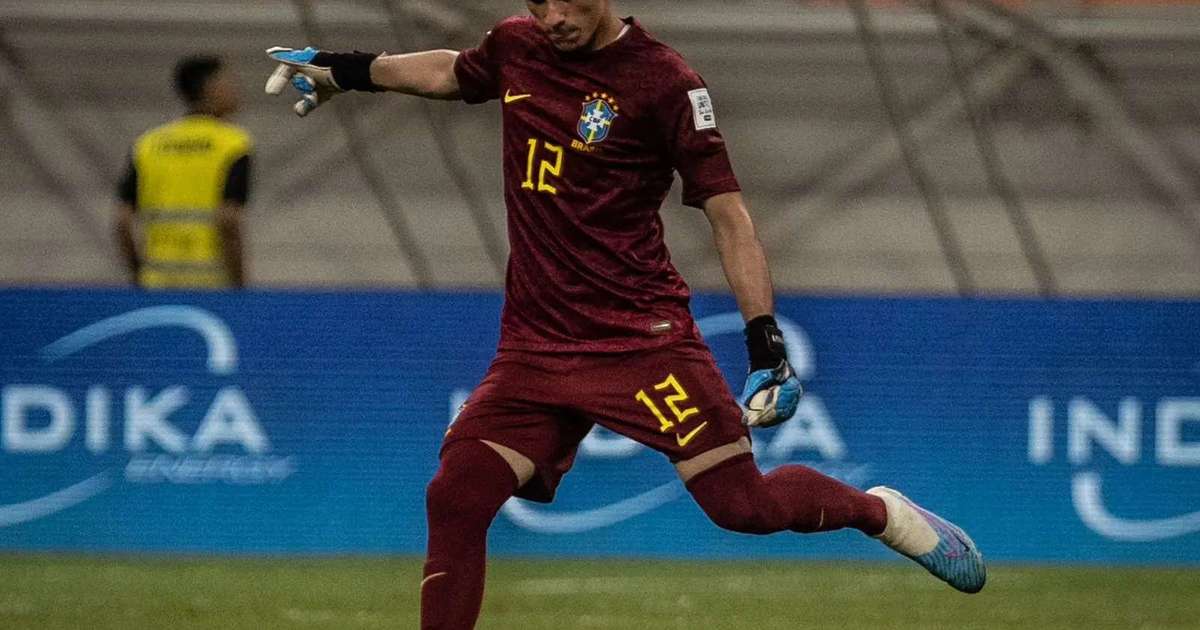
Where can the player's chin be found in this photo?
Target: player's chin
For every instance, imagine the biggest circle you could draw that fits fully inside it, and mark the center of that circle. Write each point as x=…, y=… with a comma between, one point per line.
x=567, y=44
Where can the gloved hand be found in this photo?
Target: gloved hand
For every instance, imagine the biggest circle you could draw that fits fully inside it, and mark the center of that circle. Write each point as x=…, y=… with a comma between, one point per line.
x=319, y=75
x=772, y=391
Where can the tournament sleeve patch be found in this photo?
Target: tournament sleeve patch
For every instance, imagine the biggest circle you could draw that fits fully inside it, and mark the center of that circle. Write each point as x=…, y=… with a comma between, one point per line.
x=702, y=110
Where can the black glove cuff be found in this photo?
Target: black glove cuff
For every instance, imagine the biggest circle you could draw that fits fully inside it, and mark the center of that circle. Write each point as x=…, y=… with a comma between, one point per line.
x=351, y=71
x=764, y=343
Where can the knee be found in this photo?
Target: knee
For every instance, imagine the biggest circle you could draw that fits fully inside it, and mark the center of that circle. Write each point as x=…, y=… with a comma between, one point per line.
x=440, y=499
x=451, y=497
x=471, y=484
x=735, y=497
x=735, y=509
x=737, y=517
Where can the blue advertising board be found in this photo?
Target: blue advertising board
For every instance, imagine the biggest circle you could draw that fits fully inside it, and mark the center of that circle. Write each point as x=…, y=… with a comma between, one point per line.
x=289, y=422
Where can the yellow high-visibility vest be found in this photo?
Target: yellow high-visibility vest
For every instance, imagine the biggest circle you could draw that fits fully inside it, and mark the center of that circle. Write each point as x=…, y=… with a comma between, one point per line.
x=182, y=168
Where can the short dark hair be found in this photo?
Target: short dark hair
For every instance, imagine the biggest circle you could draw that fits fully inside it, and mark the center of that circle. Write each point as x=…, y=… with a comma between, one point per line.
x=192, y=74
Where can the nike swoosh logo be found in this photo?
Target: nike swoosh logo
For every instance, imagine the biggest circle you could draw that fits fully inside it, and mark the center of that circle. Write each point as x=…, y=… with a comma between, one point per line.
x=509, y=97
x=955, y=547
x=683, y=440
x=430, y=577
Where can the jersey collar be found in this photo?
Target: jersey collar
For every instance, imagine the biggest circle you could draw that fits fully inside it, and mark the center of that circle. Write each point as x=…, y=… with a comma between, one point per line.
x=629, y=33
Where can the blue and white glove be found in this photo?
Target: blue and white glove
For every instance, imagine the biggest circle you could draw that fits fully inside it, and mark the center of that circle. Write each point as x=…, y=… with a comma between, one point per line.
x=318, y=75
x=772, y=391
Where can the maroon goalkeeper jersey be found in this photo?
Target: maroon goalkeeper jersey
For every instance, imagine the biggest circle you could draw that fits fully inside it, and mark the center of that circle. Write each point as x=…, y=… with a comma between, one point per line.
x=591, y=141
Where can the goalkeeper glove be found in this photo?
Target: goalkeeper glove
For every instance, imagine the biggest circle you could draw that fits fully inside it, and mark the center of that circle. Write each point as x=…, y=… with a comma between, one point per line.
x=772, y=391
x=319, y=75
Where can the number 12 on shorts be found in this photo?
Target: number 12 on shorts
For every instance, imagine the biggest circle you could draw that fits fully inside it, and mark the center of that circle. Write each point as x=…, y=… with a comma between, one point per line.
x=672, y=401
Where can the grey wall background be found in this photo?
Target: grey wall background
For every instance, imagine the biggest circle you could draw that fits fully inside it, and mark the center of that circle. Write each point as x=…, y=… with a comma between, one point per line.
x=1093, y=112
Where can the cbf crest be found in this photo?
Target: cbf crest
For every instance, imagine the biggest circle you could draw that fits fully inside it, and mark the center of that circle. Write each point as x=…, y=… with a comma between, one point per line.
x=599, y=112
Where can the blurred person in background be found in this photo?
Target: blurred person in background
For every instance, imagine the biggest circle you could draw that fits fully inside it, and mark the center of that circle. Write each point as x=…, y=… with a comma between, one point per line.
x=179, y=220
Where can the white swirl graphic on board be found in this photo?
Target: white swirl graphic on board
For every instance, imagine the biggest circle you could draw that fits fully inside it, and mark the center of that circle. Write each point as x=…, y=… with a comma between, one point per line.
x=222, y=349
x=54, y=502
x=1089, y=504
x=160, y=452
x=1089, y=428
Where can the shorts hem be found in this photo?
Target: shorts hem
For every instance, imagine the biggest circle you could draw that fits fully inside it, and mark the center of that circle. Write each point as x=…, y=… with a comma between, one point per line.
x=538, y=489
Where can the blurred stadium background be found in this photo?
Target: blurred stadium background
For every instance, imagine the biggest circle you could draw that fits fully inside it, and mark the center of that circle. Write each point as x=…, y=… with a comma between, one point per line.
x=1090, y=110
x=1042, y=155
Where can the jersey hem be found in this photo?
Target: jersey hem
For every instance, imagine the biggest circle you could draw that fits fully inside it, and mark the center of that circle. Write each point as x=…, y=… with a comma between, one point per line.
x=596, y=347
x=728, y=185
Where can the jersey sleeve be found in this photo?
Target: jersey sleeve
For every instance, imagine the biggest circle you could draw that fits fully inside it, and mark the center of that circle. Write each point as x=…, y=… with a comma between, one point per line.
x=127, y=188
x=237, y=182
x=694, y=145
x=478, y=71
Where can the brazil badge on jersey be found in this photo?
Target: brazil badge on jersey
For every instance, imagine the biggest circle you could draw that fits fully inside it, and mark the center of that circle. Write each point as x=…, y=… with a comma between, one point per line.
x=597, y=118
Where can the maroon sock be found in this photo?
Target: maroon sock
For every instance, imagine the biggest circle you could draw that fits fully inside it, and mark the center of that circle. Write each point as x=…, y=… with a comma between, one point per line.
x=736, y=496
x=471, y=484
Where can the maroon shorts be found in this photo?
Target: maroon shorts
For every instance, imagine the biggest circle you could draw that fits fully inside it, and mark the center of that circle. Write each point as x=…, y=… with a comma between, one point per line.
x=672, y=399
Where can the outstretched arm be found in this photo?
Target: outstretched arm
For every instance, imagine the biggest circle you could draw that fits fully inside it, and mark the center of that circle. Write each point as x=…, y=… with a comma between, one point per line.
x=741, y=254
x=429, y=74
x=319, y=75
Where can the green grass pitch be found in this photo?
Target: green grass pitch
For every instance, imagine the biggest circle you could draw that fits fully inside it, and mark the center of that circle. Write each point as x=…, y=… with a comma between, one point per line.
x=71, y=592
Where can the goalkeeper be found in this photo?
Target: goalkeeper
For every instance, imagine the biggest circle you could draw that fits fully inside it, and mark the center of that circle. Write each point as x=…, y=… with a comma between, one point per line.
x=597, y=117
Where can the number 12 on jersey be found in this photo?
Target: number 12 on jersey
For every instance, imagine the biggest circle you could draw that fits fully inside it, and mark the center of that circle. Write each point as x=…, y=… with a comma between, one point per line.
x=554, y=168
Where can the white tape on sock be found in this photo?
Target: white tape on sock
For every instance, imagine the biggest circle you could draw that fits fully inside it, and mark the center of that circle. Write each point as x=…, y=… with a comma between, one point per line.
x=906, y=530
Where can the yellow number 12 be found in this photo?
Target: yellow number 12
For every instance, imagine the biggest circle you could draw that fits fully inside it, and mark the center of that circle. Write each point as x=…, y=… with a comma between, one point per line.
x=554, y=169
x=672, y=400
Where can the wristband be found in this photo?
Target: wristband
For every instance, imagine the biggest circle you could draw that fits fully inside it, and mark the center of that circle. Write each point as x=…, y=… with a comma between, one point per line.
x=764, y=343
x=351, y=71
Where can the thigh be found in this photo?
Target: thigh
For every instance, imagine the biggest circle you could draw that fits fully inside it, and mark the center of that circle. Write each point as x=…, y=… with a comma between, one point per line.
x=511, y=407
x=673, y=399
